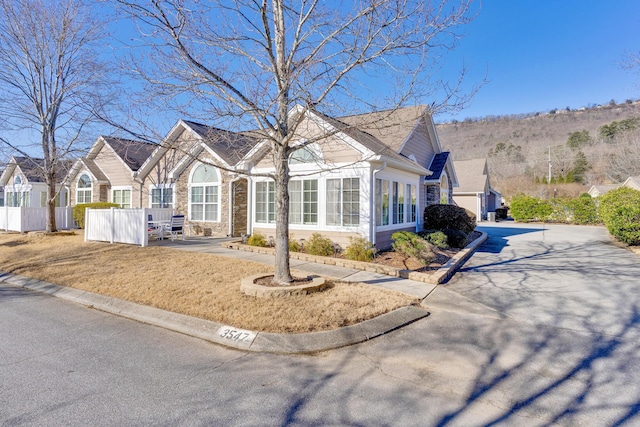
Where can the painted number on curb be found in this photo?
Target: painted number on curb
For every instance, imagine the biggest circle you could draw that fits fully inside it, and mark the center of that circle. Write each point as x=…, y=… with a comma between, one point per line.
x=236, y=335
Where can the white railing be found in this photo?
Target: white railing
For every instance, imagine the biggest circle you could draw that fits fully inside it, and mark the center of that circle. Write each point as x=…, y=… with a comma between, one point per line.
x=117, y=225
x=23, y=219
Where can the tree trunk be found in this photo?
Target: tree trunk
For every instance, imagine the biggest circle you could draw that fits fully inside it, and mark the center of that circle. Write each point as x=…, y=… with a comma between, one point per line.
x=51, y=202
x=282, y=273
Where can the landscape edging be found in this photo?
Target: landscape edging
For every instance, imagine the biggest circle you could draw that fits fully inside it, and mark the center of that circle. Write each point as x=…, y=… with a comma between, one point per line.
x=436, y=277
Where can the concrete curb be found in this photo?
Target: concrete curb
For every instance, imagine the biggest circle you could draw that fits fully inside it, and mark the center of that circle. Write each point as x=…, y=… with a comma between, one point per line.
x=228, y=336
x=442, y=275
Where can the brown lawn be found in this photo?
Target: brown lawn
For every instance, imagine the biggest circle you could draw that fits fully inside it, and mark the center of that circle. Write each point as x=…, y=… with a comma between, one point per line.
x=196, y=284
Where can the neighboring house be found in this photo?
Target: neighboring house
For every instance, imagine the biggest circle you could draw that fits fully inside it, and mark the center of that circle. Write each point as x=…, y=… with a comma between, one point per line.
x=193, y=165
x=632, y=182
x=367, y=175
x=475, y=193
x=107, y=173
x=599, y=190
x=23, y=183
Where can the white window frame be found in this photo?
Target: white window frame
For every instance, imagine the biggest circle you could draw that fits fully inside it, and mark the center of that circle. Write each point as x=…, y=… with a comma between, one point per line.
x=215, y=186
x=337, y=203
x=267, y=212
x=122, y=189
x=397, y=209
x=163, y=189
x=304, y=203
x=84, y=191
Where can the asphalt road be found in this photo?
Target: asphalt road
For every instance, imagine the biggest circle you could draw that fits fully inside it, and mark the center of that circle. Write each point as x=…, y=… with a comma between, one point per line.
x=540, y=327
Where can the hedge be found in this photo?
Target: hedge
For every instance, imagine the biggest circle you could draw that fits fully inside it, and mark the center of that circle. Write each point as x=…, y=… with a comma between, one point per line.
x=78, y=210
x=527, y=209
x=619, y=210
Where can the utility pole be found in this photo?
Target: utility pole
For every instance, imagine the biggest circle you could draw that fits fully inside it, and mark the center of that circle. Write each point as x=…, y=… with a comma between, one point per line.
x=549, y=180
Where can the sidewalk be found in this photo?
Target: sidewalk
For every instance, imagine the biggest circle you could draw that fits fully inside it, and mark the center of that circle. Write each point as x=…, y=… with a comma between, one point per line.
x=251, y=340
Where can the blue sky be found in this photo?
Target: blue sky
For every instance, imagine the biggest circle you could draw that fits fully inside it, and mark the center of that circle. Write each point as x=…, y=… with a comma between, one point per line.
x=537, y=55
x=545, y=54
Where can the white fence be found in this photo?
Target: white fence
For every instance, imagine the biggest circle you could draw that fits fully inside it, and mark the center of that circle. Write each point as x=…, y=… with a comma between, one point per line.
x=23, y=219
x=122, y=225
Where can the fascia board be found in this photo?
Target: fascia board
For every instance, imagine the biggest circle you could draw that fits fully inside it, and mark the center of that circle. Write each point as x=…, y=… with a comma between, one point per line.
x=193, y=153
x=96, y=147
x=151, y=162
x=404, y=166
x=433, y=134
x=454, y=176
x=8, y=172
x=215, y=155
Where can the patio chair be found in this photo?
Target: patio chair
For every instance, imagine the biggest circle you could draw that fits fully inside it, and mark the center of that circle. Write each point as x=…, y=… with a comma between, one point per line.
x=175, y=227
x=152, y=229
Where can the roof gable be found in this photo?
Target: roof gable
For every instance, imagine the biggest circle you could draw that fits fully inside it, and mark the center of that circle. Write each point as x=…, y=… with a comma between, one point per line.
x=391, y=127
x=472, y=175
x=229, y=146
x=32, y=168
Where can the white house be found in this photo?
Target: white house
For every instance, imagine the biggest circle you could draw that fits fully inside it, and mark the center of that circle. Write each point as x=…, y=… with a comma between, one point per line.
x=369, y=175
x=23, y=183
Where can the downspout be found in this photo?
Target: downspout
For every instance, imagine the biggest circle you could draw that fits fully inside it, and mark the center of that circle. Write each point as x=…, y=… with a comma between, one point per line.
x=140, y=197
x=372, y=203
x=140, y=184
x=230, y=209
x=249, y=206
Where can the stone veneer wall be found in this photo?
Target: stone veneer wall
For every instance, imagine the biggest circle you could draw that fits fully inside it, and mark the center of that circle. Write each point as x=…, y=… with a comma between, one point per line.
x=433, y=194
x=219, y=228
x=240, y=198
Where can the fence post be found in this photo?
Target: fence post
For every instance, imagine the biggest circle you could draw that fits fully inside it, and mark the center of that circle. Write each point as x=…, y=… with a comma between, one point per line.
x=86, y=224
x=112, y=220
x=145, y=226
x=22, y=219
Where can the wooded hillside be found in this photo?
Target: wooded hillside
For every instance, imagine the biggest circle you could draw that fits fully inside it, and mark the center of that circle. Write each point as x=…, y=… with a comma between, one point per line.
x=589, y=146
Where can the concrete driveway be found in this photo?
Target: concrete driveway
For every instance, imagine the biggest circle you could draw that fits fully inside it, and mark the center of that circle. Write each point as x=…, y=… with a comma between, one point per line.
x=541, y=327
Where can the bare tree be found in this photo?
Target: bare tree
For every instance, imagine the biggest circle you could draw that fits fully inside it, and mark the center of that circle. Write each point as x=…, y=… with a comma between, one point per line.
x=252, y=61
x=49, y=77
x=623, y=161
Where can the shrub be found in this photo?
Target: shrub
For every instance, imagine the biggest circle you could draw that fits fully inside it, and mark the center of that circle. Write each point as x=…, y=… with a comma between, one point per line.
x=257, y=239
x=412, y=245
x=294, y=245
x=440, y=217
x=583, y=210
x=436, y=238
x=620, y=212
x=359, y=249
x=319, y=245
x=456, y=238
x=526, y=208
x=560, y=211
x=79, y=210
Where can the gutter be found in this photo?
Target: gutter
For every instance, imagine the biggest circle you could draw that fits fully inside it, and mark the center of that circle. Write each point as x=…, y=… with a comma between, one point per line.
x=372, y=203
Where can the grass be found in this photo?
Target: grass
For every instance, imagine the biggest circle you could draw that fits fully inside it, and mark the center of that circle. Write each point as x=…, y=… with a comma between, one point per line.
x=196, y=284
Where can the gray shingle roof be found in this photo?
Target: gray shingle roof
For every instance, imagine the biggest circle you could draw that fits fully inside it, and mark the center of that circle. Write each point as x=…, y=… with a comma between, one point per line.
x=391, y=127
x=133, y=153
x=33, y=168
x=230, y=146
x=471, y=175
